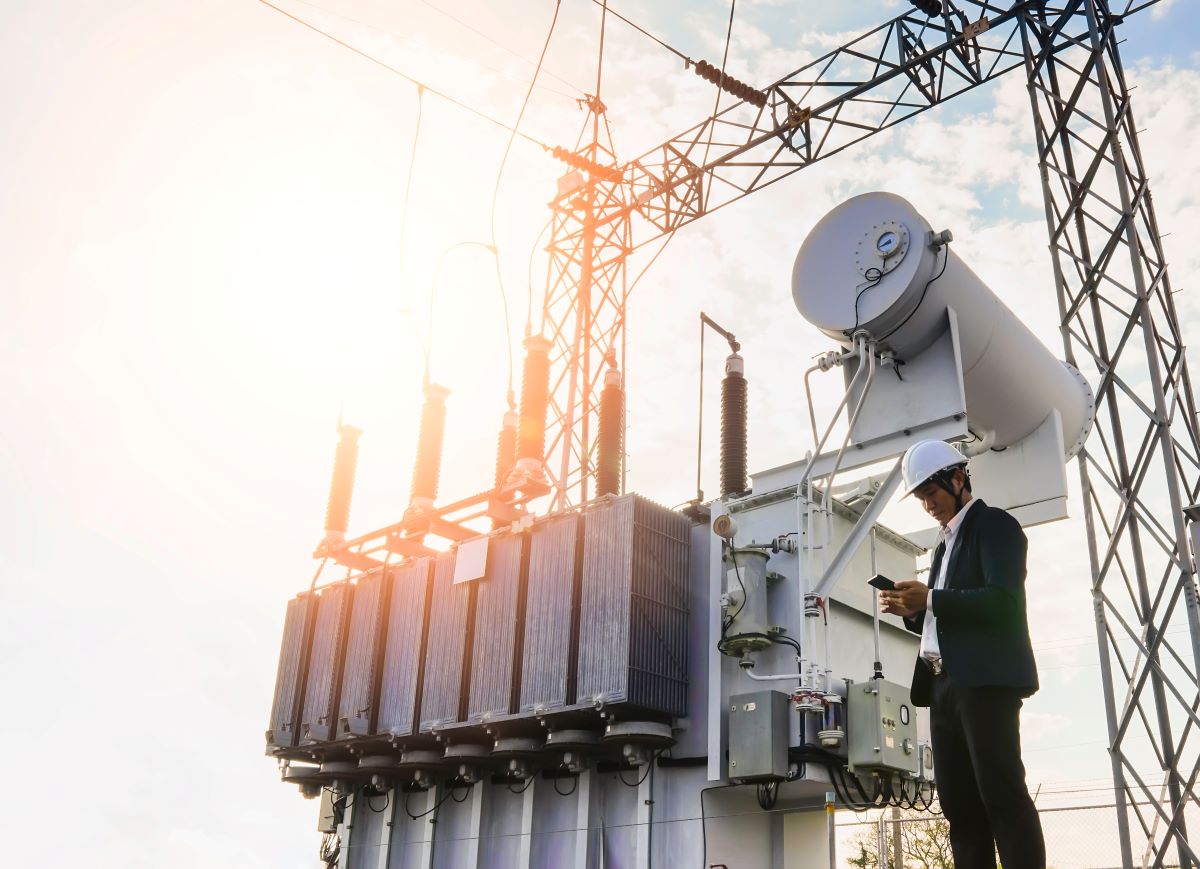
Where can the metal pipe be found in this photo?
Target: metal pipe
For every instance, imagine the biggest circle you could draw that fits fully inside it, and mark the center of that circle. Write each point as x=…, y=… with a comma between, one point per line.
x=875, y=610
x=866, y=522
x=836, y=413
x=775, y=677
x=862, y=400
x=832, y=829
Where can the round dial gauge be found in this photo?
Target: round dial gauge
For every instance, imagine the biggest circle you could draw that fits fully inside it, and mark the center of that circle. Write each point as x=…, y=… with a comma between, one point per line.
x=887, y=243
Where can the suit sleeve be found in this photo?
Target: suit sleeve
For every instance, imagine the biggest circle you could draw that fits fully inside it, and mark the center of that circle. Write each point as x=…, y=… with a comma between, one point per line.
x=915, y=623
x=1000, y=601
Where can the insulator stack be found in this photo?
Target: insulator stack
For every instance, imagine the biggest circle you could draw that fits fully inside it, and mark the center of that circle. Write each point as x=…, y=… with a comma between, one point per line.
x=729, y=84
x=535, y=396
x=733, y=428
x=610, y=436
x=341, y=487
x=604, y=173
x=428, y=465
x=506, y=447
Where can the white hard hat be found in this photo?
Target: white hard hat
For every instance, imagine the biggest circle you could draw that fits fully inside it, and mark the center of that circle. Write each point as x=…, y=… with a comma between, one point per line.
x=924, y=459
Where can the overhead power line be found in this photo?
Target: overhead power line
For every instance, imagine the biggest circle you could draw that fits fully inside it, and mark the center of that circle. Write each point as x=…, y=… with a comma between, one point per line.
x=603, y=4
x=468, y=26
x=420, y=84
x=496, y=195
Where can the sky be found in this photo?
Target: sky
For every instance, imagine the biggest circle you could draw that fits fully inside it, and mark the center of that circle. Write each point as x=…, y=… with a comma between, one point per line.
x=202, y=270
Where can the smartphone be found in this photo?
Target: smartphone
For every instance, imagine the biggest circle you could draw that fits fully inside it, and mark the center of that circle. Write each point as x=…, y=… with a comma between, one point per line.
x=881, y=582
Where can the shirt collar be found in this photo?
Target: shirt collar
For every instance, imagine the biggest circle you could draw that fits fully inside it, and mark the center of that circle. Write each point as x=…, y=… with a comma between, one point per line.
x=957, y=518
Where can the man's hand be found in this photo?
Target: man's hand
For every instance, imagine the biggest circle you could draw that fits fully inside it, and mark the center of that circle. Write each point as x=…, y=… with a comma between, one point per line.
x=906, y=600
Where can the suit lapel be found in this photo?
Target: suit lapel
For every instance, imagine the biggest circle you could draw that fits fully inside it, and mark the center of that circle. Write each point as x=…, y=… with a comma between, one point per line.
x=959, y=541
x=938, y=552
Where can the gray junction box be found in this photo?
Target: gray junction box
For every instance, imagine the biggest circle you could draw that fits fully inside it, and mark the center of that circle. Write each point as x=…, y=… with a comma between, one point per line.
x=758, y=736
x=882, y=727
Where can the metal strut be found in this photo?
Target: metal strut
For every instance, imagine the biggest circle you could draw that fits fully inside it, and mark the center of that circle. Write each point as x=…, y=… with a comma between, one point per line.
x=1140, y=467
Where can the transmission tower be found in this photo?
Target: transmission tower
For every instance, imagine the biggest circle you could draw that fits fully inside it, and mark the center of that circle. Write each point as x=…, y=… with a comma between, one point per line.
x=1140, y=468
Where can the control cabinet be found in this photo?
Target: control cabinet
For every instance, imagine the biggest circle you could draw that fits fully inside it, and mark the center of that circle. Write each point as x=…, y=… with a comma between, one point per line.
x=882, y=727
x=758, y=736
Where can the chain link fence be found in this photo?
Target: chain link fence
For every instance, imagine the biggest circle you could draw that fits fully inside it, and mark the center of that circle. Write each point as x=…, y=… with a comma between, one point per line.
x=1077, y=837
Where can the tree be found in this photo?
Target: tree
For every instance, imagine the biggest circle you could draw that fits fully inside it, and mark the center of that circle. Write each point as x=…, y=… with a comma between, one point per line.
x=924, y=844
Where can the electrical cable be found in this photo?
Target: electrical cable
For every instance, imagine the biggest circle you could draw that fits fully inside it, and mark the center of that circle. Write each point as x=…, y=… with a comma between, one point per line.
x=871, y=282
x=412, y=162
x=717, y=101
x=501, y=45
x=436, y=806
x=574, y=786
x=729, y=620
x=644, y=32
x=496, y=194
x=428, y=345
x=649, y=766
x=466, y=793
x=464, y=24
x=405, y=76
x=767, y=794
x=513, y=790
x=320, y=567
x=529, y=278
x=704, y=818
x=387, y=795
x=917, y=307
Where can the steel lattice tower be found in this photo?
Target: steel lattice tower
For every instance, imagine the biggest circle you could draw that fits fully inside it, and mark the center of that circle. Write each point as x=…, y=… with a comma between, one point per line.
x=1140, y=467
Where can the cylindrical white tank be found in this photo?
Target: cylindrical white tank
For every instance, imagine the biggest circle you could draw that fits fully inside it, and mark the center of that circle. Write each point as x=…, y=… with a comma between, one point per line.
x=869, y=264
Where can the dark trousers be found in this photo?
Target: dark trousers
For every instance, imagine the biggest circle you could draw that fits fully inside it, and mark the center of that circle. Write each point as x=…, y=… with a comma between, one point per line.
x=980, y=777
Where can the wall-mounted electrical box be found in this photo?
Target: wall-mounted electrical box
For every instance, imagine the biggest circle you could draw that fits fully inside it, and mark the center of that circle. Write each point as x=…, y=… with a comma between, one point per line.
x=758, y=736
x=882, y=728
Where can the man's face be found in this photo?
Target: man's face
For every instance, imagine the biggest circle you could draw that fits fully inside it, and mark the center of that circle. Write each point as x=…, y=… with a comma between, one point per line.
x=937, y=502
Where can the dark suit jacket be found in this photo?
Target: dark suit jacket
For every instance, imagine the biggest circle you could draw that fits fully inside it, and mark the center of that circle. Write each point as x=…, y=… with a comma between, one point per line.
x=981, y=624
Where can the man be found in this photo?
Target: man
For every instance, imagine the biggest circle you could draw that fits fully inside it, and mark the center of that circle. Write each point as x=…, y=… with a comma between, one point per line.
x=975, y=666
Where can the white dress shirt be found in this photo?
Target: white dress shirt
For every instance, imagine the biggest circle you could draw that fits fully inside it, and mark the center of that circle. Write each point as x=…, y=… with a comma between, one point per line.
x=929, y=638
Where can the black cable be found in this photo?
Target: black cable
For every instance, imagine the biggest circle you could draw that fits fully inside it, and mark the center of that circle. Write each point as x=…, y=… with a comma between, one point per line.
x=704, y=818
x=574, y=787
x=466, y=793
x=404, y=75
x=945, y=259
x=717, y=102
x=649, y=766
x=767, y=795
x=871, y=282
x=513, y=790
x=738, y=573
x=436, y=805
x=644, y=32
x=387, y=795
